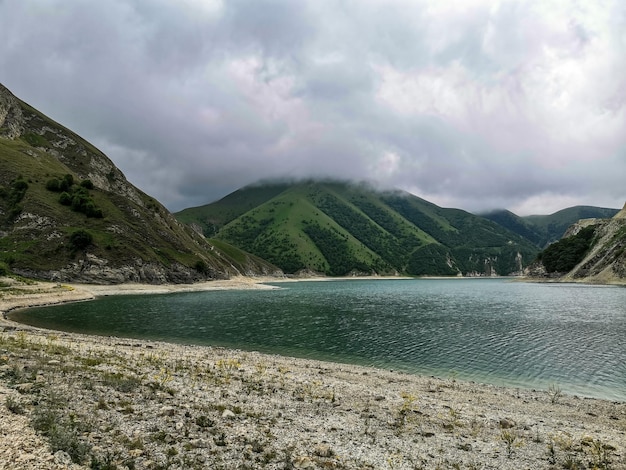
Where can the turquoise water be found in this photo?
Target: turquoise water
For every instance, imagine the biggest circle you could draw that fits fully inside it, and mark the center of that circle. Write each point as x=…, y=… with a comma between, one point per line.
x=486, y=330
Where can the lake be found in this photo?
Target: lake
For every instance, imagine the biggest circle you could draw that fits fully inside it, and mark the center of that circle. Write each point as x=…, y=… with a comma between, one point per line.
x=486, y=330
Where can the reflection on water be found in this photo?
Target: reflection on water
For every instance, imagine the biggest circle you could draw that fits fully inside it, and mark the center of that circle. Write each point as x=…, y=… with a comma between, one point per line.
x=488, y=330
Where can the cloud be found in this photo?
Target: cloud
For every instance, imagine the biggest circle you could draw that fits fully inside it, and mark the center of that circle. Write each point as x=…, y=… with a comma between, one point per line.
x=471, y=104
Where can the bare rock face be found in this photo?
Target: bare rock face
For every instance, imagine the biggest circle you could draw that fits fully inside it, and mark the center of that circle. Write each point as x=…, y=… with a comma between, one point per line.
x=576, y=227
x=94, y=270
x=606, y=261
x=11, y=117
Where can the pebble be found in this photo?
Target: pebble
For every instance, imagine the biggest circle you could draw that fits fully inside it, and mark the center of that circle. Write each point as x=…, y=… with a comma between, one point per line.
x=506, y=423
x=228, y=414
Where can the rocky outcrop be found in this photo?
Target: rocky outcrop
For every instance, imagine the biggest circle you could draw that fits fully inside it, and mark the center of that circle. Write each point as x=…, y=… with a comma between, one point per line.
x=94, y=270
x=576, y=227
x=11, y=117
x=621, y=215
x=604, y=263
x=606, y=260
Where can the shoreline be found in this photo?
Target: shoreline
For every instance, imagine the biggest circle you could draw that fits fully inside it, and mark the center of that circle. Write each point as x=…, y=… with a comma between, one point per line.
x=154, y=403
x=43, y=293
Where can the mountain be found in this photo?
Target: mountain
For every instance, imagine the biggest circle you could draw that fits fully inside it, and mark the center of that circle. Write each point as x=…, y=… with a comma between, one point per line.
x=545, y=229
x=67, y=213
x=592, y=250
x=338, y=228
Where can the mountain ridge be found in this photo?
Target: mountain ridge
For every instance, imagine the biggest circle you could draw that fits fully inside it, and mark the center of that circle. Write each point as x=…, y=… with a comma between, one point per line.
x=545, y=229
x=337, y=227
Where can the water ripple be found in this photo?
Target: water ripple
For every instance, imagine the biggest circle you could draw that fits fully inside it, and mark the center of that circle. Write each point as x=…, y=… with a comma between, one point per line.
x=485, y=330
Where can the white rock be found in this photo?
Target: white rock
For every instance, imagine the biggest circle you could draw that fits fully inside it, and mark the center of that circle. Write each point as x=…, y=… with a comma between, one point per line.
x=62, y=458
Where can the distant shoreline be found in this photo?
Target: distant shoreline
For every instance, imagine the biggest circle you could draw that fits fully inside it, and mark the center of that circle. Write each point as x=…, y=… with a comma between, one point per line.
x=43, y=293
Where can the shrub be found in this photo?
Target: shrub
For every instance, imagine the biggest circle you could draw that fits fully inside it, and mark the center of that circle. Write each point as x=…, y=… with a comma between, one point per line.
x=53, y=185
x=81, y=201
x=67, y=183
x=4, y=269
x=201, y=267
x=19, y=186
x=91, y=210
x=14, y=196
x=87, y=184
x=14, y=406
x=80, y=239
x=65, y=198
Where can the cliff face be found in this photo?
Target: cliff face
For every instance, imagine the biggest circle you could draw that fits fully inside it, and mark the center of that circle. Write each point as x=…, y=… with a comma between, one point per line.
x=603, y=262
x=11, y=118
x=68, y=213
x=606, y=260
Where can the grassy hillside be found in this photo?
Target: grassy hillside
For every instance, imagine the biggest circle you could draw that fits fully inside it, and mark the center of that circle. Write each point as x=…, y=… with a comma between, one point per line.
x=545, y=229
x=67, y=213
x=337, y=228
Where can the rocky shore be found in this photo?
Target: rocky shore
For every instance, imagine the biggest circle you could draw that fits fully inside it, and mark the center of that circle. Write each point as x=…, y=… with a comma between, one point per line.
x=76, y=401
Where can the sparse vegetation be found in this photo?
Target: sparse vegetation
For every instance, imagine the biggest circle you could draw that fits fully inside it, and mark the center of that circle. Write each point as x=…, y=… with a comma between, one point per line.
x=14, y=405
x=78, y=198
x=291, y=416
x=554, y=392
x=510, y=439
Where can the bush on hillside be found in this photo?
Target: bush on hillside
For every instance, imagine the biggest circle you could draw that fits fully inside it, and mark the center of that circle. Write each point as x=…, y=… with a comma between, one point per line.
x=78, y=198
x=4, y=269
x=201, y=267
x=53, y=185
x=13, y=196
x=80, y=239
x=58, y=185
x=87, y=184
x=17, y=191
x=67, y=182
x=65, y=198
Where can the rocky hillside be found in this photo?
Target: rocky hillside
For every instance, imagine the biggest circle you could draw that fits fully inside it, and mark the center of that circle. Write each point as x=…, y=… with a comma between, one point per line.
x=545, y=229
x=591, y=250
x=340, y=228
x=605, y=262
x=67, y=213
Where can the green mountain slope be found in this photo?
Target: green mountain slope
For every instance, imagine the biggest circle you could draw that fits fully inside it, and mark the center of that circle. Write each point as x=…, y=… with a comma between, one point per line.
x=592, y=250
x=545, y=229
x=67, y=213
x=337, y=228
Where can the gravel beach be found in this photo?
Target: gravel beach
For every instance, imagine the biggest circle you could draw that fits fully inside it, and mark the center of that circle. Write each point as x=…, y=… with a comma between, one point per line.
x=77, y=401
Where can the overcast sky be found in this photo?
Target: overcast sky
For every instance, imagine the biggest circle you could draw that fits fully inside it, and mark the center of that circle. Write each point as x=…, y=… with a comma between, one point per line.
x=470, y=104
